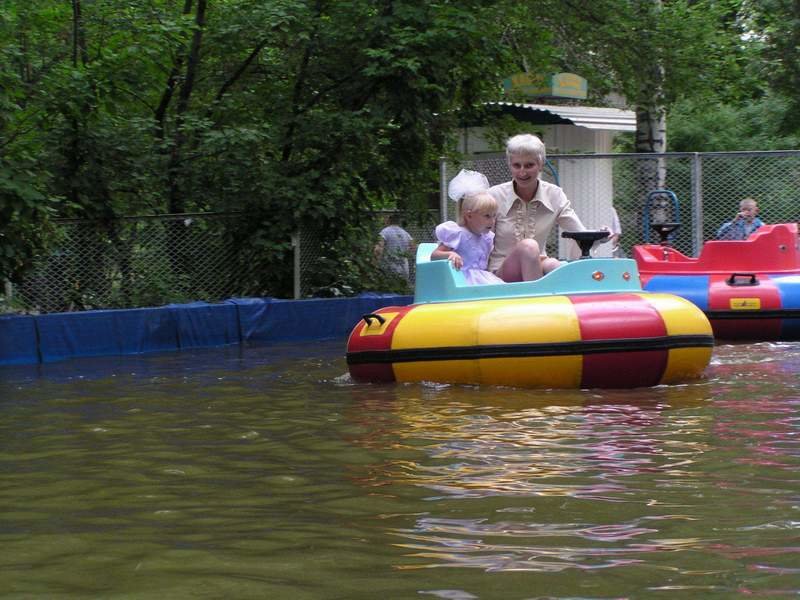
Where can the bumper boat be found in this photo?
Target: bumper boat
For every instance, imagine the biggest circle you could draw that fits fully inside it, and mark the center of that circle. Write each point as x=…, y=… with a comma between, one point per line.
x=588, y=324
x=748, y=289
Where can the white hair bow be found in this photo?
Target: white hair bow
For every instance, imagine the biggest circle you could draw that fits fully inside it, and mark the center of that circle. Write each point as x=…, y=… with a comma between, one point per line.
x=466, y=182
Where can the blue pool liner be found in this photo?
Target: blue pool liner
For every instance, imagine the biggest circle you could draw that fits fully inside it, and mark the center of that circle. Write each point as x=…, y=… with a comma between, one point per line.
x=102, y=332
x=30, y=339
x=18, y=340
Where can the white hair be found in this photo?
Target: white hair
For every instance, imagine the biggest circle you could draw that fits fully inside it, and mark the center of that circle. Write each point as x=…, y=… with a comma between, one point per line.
x=526, y=144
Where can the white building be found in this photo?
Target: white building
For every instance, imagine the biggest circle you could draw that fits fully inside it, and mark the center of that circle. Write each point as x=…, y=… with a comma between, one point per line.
x=566, y=129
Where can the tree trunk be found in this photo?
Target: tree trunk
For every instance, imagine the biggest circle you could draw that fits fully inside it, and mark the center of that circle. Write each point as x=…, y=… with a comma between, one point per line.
x=177, y=203
x=651, y=123
x=160, y=115
x=651, y=137
x=176, y=200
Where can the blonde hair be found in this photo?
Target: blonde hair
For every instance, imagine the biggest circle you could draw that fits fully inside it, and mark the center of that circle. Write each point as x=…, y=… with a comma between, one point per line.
x=475, y=202
x=748, y=201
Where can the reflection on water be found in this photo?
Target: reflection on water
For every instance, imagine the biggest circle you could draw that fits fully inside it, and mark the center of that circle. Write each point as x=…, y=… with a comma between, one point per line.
x=567, y=481
x=266, y=472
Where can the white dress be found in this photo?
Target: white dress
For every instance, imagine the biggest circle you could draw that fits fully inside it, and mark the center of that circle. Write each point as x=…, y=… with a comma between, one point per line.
x=473, y=248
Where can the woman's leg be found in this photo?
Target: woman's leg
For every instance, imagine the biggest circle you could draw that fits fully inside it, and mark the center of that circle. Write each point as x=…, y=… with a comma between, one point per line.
x=523, y=263
x=550, y=264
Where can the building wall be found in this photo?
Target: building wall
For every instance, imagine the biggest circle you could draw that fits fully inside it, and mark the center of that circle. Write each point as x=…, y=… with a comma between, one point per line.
x=559, y=139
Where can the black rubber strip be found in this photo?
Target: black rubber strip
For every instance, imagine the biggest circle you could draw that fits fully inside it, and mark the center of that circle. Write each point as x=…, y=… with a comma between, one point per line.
x=525, y=350
x=778, y=313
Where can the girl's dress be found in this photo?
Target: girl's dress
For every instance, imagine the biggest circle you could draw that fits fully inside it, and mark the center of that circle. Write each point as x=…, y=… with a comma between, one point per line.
x=474, y=249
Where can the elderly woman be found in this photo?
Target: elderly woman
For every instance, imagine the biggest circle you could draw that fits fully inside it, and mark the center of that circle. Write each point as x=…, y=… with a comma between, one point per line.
x=528, y=209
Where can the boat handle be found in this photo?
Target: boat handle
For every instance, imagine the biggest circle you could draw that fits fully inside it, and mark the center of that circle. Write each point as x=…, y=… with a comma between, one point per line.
x=368, y=318
x=734, y=279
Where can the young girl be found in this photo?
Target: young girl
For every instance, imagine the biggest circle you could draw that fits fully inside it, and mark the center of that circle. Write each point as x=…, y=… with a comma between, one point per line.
x=468, y=243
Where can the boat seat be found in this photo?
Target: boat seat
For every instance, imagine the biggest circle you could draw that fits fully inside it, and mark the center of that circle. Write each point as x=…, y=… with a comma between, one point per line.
x=770, y=249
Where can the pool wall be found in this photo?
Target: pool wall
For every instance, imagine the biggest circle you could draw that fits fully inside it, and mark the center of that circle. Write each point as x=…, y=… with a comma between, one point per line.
x=29, y=339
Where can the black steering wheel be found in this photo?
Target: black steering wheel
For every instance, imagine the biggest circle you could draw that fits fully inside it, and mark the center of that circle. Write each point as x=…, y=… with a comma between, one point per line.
x=585, y=239
x=664, y=230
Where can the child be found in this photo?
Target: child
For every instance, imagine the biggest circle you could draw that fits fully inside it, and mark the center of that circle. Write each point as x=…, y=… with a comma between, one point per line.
x=745, y=222
x=468, y=243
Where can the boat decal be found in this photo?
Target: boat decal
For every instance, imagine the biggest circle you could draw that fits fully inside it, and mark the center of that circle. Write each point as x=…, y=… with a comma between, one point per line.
x=745, y=303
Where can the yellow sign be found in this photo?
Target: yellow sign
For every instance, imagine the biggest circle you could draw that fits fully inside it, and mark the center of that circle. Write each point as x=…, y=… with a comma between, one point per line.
x=559, y=85
x=745, y=303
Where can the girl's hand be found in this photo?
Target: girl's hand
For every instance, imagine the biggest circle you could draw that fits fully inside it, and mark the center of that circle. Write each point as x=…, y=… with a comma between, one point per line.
x=456, y=260
x=443, y=252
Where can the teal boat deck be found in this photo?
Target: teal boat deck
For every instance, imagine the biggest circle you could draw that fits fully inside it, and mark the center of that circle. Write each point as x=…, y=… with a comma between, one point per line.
x=438, y=281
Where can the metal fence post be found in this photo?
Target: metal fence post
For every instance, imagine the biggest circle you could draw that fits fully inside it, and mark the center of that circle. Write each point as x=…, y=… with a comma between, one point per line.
x=442, y=190
x=697, y=204
x=9, y=292
x=296, y=270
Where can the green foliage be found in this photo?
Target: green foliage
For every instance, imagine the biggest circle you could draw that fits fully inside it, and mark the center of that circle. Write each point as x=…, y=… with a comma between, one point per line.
x=304, y=114
x=771, y=30
x=25, y=213
x=349, y=266
x=294, y=112
x=756, y=125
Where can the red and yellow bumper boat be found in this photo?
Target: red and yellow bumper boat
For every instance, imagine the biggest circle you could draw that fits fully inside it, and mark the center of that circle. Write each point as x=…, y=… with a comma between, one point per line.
x=588, y=324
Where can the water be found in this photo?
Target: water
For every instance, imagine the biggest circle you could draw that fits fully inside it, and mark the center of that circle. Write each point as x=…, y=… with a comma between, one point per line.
x=266, y=473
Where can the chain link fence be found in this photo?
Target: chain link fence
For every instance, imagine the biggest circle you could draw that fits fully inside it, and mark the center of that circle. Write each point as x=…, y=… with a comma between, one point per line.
x=146, y=261
x=420, y=226
x=701, y=191
x=131, y=262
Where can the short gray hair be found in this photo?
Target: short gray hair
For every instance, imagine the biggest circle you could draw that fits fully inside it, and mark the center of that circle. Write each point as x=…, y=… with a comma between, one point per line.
x=528, y=144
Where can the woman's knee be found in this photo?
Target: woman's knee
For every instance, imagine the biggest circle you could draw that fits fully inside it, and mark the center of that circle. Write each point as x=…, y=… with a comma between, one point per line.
x=550, y=264
x=529, y=247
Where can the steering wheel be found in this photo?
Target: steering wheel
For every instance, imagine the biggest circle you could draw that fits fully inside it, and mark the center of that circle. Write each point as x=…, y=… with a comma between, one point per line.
x=585, y=239
x=664, y=230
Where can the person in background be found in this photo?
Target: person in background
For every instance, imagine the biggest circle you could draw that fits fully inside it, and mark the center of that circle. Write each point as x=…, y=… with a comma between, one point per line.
x=468, y=243
x=528, y=209
x=394, y=247
x=743, y=224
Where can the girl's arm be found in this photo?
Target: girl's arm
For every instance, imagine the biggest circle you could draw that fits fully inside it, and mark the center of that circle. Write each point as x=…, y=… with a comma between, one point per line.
x=443, y=252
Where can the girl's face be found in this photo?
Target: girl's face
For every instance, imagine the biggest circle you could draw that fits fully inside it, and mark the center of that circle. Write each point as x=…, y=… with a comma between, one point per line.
x=525, y=169
x=480, y=221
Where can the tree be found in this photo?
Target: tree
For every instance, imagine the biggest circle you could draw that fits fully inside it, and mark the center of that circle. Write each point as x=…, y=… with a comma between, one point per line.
x=308, y=114
x=25, y=206
x=297, y=113
x=771, y=27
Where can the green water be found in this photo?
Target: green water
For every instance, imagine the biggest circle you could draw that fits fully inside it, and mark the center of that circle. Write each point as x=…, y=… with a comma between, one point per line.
x=265, y=473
